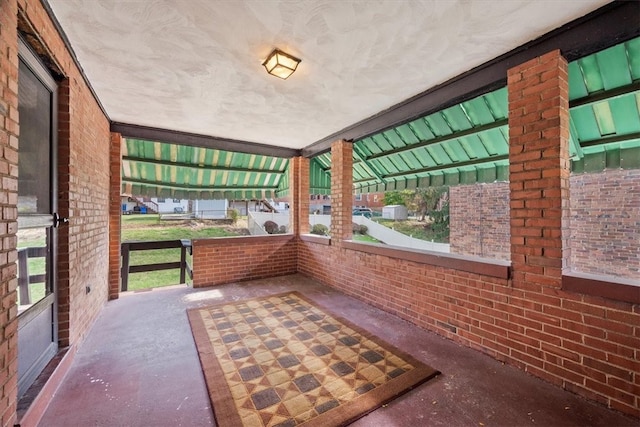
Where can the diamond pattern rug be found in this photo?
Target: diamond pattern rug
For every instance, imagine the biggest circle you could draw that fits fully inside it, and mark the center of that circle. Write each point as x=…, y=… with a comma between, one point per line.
x=283, y=361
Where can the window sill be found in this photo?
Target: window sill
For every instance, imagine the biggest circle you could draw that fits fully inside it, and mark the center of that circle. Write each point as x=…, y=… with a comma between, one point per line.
x=314, y=238
x=610, y=287
x=470, y=264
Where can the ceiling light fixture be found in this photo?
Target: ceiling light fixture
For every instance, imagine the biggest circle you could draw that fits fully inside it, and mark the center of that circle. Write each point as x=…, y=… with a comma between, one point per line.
x=280, y=64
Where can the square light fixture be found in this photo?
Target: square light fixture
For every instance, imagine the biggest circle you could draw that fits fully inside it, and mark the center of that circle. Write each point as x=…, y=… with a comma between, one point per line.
x=280, y=64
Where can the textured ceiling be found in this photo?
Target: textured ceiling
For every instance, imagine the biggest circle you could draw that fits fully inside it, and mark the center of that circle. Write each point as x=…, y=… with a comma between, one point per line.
x=195, y=65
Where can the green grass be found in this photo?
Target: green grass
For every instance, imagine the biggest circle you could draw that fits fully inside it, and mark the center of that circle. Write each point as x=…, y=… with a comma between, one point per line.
x=416, y=229
x=156, y=279
x=34, y=265
x=173, y=233
x=365, y=238
x=140, y=220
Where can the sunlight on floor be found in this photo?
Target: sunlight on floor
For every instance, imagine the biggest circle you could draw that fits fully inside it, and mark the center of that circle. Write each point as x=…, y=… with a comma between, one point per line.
x=204, y=295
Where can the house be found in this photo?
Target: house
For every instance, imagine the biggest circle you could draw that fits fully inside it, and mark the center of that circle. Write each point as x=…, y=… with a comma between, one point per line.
x=505, y=103
x=170, y=205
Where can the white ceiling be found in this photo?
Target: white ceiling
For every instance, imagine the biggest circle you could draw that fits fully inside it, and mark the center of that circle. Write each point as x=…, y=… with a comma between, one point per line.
x=195, y=65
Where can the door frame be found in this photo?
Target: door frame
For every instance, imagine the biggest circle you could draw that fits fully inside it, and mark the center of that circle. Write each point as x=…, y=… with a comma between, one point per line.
x=31, y=60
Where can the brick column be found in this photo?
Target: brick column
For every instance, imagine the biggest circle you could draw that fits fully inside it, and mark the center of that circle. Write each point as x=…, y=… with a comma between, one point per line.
x=539, y=169
x=341, y=191
x=299, y=191
x=115, y=184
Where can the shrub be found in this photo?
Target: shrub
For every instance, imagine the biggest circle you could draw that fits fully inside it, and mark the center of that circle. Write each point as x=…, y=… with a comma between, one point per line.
x=320, y=230
x=233, y=215
x=282, y=230
x=359, y=229
x=271, y=227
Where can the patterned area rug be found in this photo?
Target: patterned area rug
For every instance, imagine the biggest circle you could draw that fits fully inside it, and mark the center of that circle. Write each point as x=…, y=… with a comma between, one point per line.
x=282, y=361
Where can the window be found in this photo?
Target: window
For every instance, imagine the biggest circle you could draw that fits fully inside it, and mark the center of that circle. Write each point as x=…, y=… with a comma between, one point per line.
x=161, y=200
x=358, y=197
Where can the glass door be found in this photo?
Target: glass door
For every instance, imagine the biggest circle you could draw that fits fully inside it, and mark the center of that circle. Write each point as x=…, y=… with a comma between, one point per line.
x=37, y=331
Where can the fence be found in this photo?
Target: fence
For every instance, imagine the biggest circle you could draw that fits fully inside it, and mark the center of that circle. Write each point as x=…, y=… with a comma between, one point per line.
x=128, y=247
x=210, y=214
x=256, y=220
x=392, y=237
x=385, y=234
x=25, y=280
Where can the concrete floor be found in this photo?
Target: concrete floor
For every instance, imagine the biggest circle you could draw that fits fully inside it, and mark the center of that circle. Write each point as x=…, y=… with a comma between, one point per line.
x=139, y=367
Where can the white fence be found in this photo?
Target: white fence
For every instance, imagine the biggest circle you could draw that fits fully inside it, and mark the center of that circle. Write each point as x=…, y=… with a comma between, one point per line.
x=392, y=237
x=375, y=230
x=210, y=214
x=320, y=219
x=256, y=220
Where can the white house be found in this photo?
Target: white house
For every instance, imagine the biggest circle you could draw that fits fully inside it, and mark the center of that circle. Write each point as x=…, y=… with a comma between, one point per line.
x=171, y=205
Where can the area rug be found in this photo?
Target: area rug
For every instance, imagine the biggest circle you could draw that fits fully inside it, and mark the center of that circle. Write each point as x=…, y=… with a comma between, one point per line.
x=283, y=361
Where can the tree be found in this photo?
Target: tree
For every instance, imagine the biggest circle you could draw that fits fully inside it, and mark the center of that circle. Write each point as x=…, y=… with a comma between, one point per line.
x=393, y=198
x=427, y=199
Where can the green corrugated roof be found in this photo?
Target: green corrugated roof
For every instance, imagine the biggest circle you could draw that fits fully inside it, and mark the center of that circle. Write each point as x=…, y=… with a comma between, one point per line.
x=468, y=142
x=170, y=170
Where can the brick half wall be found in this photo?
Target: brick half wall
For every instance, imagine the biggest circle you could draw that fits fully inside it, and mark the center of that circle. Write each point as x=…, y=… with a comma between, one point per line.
x=585, y=344
x=232, y=259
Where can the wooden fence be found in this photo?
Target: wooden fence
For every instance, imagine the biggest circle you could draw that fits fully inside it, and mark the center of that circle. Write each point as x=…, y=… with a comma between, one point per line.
x=25, y=280
x=183, y=265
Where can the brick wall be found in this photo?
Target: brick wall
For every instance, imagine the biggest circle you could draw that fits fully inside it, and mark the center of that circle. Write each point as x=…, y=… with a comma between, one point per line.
x=539, y=167
x=83, y=186
x=299, y=195
x=586, y=344
x=9, y=132
x=605, y=208
x=83, y=194
x=233, y=259
x=341, y=190
x=479, y=220
x=605, y=223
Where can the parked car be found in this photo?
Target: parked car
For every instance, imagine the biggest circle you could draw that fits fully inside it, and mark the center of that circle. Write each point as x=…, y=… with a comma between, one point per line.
x=365, y=212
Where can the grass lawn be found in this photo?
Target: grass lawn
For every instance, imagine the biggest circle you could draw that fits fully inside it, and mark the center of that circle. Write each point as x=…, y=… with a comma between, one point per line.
x=140, y=220
x=417, y=229
x=365, y=238
x=150, y=228
x=33, y=238
x=173, y=233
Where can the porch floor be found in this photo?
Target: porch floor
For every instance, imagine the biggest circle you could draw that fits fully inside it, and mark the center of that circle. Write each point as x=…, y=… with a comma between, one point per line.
x=138, y=367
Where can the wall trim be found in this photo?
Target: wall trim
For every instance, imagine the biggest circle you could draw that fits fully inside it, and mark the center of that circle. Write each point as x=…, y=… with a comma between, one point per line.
x=321, y=240
x=610, y=287
x=169, y=136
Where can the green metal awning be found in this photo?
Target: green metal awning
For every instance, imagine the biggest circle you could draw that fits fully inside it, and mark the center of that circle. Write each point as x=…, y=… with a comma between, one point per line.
x=152, y=168
x=468, y=142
